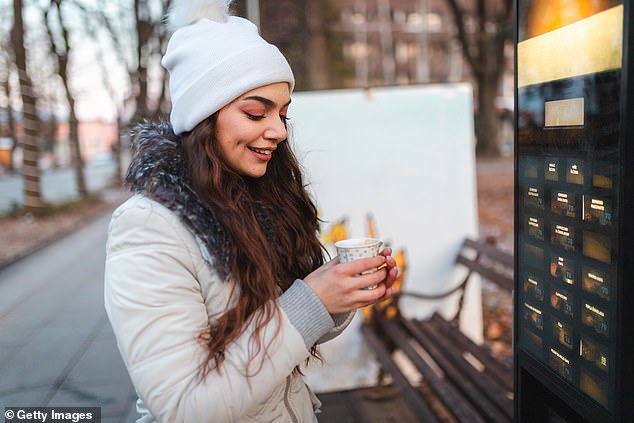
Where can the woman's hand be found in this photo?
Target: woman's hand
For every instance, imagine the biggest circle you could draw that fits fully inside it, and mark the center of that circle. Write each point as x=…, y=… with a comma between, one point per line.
x=392, y=270
x=340, y=287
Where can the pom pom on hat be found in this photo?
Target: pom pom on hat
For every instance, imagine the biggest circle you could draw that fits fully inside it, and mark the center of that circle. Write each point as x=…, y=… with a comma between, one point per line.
x=213, y=58
x=184, y=12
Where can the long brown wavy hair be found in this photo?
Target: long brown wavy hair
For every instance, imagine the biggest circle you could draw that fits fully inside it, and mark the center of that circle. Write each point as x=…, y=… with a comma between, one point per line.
x=257, y=269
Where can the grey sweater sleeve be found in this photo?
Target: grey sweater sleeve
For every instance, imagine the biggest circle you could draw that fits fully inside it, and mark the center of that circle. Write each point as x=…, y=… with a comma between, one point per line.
x=306, y=312
x=342, y=320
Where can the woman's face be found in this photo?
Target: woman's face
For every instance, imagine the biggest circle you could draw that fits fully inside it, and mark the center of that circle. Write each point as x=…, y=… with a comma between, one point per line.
x=249, y=129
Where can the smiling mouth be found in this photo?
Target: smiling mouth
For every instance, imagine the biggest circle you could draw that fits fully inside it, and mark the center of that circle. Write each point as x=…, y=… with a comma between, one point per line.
x=257, y=150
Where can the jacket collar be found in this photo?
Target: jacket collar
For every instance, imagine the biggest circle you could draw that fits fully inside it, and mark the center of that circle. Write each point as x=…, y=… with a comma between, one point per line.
x=158, y=171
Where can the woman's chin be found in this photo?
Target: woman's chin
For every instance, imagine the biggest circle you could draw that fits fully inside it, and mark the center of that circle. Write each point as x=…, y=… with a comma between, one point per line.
x=255, y=172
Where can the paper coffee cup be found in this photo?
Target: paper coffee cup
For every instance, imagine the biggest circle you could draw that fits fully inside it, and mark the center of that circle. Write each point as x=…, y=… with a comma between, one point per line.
x=358, y=248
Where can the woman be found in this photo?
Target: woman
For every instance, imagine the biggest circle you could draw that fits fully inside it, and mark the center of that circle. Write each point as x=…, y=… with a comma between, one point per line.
x=215, y=284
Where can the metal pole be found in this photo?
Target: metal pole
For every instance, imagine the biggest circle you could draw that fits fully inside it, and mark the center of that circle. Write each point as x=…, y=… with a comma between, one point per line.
x=253, y=12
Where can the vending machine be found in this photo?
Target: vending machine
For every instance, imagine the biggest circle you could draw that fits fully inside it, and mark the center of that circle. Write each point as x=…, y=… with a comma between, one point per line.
x=574, y=211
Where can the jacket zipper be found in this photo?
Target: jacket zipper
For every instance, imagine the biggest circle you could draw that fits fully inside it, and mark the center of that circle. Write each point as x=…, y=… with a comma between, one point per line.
x=287, y=400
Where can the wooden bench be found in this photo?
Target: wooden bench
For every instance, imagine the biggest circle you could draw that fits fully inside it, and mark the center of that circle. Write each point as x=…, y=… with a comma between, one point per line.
x=461, y=381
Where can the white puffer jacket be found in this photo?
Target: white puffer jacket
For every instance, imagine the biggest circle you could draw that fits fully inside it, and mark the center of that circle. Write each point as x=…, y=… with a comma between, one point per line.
x=161, y=291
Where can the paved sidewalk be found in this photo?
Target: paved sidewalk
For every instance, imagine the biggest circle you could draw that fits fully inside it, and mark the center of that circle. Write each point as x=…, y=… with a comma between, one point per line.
x=56, y=345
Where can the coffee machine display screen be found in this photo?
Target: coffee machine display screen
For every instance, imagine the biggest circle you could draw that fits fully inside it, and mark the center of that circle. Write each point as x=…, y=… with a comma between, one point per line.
x=568, y=143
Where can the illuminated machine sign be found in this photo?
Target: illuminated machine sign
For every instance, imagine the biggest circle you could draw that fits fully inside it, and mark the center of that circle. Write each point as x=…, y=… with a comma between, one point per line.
x=574, y=339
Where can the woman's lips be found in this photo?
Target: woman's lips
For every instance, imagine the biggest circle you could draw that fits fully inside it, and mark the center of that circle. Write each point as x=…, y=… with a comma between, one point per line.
x=261, y=153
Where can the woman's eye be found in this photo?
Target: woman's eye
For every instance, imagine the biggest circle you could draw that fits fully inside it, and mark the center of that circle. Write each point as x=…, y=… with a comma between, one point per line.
x=254, y=117
x=284, y=118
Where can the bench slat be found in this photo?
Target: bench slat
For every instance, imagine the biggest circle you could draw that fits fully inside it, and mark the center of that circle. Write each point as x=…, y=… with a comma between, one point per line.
x=502, y=372
x=487, y=273
x=410, y=395
x=455, y=370
x=491, y=251
x=495, y=394
x=445, y=392
x=482, y=395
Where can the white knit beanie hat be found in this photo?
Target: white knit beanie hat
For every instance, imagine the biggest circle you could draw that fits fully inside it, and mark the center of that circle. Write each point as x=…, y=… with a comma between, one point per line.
x=213, y=58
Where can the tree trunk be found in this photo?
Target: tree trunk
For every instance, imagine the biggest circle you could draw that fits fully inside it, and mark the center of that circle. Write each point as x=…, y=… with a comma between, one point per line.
x=484, y=52
x=78, y=161
x=30, y=168
x=51, y=136
x=492, y=70
x=13, y=134
x=162, y=105
x=144, y=33
x=486, y=125
x=73, y=134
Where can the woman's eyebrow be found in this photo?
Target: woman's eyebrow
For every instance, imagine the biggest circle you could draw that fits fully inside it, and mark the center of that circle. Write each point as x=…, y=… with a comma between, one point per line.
x=268, y=103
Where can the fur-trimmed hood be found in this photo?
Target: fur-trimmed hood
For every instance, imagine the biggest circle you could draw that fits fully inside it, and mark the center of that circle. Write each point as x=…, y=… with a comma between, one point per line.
x=158, y=171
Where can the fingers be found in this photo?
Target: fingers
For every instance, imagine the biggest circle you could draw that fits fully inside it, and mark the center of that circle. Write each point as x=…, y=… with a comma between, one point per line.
x=389, y=260
x=382, y=292
x=384, y=286
x=361, y=265
x=365, y=297
x=342, y=286
x=386, y=295
x=391, y=277
x=374, y=278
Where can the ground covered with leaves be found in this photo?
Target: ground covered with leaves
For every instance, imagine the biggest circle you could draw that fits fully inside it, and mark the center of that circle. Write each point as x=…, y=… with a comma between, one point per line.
x=495, y=205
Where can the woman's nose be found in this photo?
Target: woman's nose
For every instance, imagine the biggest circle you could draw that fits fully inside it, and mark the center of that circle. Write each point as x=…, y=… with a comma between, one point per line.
x=276, y=131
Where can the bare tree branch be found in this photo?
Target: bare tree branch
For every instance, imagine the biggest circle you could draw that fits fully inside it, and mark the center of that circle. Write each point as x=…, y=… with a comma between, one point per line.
x=98, y=15
x=483, y=48
x=148, y=41
x=163, y=38
x=118, y=105
x=62, y=53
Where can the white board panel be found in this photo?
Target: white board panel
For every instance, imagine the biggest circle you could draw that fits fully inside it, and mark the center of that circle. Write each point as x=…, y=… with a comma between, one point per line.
x=405, y=155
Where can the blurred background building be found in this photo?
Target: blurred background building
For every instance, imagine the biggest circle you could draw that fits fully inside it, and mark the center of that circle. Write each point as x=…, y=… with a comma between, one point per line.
x=367, y=43
x=69, y=62
x=399, y=42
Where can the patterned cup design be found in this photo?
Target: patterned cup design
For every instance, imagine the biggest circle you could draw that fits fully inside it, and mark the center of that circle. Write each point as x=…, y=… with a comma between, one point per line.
x=358, y=248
